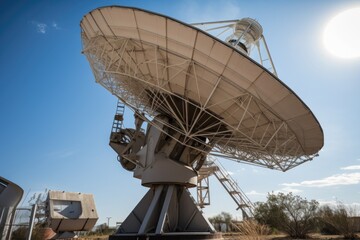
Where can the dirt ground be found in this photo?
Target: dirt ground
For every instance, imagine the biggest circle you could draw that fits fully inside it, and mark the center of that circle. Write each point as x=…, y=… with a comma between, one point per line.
x=237, y=236
x=315, y=236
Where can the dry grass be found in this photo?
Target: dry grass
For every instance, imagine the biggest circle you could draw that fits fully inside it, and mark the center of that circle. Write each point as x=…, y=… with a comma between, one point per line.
x=251, y=230
x=238, y=236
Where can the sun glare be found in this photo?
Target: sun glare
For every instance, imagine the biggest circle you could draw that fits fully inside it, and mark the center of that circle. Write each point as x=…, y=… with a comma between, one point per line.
x=342, y=34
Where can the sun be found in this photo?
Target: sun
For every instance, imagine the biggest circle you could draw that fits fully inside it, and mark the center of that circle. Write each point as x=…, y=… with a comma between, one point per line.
x=342, y=34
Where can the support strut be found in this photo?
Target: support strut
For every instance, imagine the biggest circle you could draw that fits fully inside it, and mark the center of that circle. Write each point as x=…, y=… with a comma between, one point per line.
x=166, y=212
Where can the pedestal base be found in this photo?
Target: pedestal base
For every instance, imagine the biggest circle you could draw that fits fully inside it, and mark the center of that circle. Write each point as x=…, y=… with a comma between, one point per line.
x=166, y=212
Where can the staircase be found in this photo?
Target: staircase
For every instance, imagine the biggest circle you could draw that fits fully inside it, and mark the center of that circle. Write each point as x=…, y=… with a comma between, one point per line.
x=214, y=167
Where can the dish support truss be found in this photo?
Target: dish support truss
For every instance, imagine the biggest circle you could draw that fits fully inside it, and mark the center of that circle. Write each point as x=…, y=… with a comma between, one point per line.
x=153, y=81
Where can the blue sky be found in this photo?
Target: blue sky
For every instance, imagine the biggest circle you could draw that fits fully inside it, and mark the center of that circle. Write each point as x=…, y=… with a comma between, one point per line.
x=55, y=120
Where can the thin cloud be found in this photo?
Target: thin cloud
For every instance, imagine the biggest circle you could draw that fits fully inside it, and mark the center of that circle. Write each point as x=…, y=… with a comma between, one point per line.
x=44, y=27
x=40, y=27
x=255, y=193
x=56, y=26
x=354, y=206
x=289, y=190
x=335, y=180
x=352, y=167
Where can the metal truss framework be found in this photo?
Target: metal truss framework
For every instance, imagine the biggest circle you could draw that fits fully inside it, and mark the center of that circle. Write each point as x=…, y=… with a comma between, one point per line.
x=153, y=81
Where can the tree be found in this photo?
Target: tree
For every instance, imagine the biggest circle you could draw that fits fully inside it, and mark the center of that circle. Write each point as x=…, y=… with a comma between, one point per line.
x=223, y=217
x=41, y=214
x=339, y=219
x=288, y=213
x=325, y=213
x=270, y=212
x=40, y=200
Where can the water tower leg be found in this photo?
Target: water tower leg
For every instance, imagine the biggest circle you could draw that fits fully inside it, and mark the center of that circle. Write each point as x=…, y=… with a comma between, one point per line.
x=166, y=212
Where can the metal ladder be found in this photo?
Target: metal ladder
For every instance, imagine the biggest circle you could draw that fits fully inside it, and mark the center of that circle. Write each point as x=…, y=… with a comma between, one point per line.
x=119, y=117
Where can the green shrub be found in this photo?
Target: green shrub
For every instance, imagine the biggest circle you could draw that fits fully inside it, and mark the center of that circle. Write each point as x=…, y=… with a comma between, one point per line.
x=288, y=213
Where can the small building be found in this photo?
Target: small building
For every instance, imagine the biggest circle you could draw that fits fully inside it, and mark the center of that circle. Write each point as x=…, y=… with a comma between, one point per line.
x=69, y=211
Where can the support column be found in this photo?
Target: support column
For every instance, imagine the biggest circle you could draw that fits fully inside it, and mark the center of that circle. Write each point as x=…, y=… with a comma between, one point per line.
x=166, y=212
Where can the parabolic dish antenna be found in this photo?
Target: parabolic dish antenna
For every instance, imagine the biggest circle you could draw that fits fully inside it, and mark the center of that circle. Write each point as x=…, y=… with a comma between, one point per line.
x=200, y=95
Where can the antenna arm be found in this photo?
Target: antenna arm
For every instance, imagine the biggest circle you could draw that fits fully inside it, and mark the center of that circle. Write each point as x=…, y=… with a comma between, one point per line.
x=268, y=52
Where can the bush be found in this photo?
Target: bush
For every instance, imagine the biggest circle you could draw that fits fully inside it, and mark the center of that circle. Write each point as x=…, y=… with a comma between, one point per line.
x=339, y=220
x=223, y=217
x=288, y=213
x=324, y=226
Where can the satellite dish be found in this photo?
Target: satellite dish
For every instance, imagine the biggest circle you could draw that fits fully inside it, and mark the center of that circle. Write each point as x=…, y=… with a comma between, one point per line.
x=199, y=95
